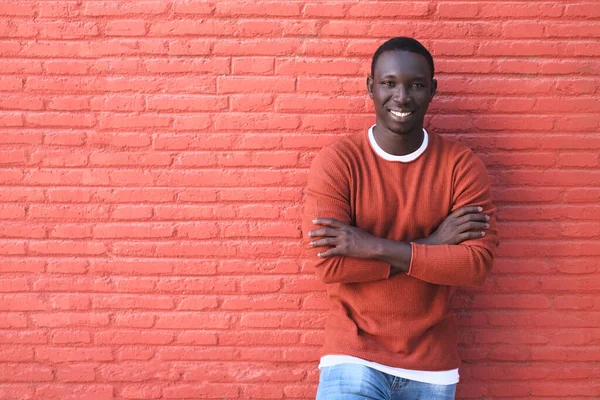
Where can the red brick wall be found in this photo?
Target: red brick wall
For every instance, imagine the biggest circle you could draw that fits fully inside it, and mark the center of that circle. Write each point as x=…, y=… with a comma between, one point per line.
x=152, y=160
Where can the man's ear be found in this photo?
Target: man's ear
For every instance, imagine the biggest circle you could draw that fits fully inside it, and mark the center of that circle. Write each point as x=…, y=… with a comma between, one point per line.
x=433, y=88
x=370, y=86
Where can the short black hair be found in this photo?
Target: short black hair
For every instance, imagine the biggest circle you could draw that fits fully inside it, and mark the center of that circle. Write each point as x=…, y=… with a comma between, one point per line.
x=402, y=44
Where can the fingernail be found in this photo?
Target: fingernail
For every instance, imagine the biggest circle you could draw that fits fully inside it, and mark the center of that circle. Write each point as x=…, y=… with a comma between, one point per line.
x=319, y=255
x=479, y=209
x=314, y=221
x=487, y=225
x=487, y=217
x=482, y=233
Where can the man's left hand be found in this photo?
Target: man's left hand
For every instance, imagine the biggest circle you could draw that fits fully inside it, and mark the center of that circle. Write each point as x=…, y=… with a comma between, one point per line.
x=345, y=240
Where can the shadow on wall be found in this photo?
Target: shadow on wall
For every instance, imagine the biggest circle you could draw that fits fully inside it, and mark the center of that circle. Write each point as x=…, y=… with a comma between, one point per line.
x=495, y=319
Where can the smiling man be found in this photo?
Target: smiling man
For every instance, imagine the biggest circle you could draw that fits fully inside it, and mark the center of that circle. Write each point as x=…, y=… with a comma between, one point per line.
x=395, y=219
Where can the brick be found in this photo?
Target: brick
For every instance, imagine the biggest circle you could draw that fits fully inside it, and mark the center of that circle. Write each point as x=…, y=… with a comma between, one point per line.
x=70, y=337
x=125, y=28
x=255, y=85
x=13, y=119
x=199, y=285
x=109, y=8
x=201, y=27
x=132, y=302
x=525, y=30
x=9, y=211
x=129, y=159
x=585, y=10
x=235, y=9
x=72, y=391
x=518, y=48
x=521, y=10
x=70, y=302
x=136, y=320
x=570, y=30
x=141, y=391
x=317, y=67
x=15, y=354
x=70, y=319
x=147, y=337
x=60, y=119
x=119, y=121
x=256, y=47
x=388, y=9
x=186, y=103
x=76, y=373
x=53, y=9
x=65, y=138
x=121, y=102
x=182, y=353
x=215, y=66
x=264, y=303
x=13, y=320
x=130, y=372
x=457, y=10
x=51, y=247
x=25, y=373
x=67, y=266
x=314, y=103
x=253, y=65
x=194, y=7
x=337, y=9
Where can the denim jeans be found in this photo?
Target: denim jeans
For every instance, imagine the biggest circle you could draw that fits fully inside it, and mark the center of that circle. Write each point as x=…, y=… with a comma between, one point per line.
x=358, y=382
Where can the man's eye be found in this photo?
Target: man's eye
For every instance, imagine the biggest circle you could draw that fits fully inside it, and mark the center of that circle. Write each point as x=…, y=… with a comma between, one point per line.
x=389, y=83
x=418, y=85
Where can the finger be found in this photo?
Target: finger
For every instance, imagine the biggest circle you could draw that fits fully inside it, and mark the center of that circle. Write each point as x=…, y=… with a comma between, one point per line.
x=324, y=242
x=324, y=232
x=466, y=210
x=333, y=223
x=331, y=253
x=473, y=226
x=478, y=217
x=470, y=236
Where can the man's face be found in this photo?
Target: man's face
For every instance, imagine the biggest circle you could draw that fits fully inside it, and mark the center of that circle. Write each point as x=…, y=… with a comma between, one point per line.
x=401, y=89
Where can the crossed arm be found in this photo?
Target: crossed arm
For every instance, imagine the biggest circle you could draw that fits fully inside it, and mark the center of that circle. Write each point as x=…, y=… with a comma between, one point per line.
x=343, y=240
x=460, y=252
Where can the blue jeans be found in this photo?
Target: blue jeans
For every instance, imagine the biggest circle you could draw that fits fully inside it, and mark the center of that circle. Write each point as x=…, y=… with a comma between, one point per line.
x=357, y=382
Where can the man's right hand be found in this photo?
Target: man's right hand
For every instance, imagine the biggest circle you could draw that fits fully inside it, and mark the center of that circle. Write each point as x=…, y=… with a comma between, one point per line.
x=466, y=223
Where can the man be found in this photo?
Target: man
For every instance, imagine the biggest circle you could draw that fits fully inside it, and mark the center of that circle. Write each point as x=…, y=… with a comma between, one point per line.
x=395, y=219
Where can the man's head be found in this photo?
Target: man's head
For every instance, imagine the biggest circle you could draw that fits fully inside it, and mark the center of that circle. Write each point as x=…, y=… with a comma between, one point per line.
x=401, y=85
x=403, y=44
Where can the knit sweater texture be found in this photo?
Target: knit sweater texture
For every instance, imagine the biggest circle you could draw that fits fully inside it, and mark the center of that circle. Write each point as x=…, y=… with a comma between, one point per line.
x=403, y=320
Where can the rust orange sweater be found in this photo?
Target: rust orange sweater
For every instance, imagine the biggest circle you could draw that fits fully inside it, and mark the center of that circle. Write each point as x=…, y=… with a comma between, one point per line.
x=404, y=320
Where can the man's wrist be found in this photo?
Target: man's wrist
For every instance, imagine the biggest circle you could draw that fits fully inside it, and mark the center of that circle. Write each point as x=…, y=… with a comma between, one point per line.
x=395, y=253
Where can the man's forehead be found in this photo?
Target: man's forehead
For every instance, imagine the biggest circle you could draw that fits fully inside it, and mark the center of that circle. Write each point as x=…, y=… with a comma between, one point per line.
x=396, y=61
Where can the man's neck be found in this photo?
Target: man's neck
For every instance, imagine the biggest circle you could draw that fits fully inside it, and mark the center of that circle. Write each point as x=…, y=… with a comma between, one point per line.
x=398, y=144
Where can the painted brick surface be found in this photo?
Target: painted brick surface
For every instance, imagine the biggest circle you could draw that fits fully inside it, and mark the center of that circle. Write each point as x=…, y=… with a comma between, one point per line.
x=153, y=156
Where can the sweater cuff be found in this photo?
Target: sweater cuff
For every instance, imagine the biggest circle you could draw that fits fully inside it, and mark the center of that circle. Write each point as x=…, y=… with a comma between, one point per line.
x=413, y=252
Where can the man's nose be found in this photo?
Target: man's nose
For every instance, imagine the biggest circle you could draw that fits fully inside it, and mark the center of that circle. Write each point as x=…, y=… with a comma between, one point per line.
x=401, y=94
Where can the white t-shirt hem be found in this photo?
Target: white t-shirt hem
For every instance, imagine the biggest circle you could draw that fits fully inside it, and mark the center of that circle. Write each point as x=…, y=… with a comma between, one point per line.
x=449, y=377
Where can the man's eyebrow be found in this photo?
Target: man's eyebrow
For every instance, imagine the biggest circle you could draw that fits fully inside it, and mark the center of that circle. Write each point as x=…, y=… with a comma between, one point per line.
x=414, y=77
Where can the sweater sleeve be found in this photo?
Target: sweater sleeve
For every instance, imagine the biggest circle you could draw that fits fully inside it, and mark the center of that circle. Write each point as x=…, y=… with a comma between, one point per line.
x=328, y=196
x=468, y=263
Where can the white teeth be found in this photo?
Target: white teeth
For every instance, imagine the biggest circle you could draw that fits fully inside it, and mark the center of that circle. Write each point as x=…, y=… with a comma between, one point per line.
x=400, y=114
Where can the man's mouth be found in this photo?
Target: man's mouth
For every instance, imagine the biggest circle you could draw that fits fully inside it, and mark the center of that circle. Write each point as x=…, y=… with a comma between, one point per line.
x=401, y=114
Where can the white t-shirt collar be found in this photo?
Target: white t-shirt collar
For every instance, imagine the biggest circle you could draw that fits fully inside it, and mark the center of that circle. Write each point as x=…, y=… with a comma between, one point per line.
x=391, y=157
